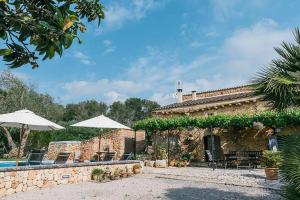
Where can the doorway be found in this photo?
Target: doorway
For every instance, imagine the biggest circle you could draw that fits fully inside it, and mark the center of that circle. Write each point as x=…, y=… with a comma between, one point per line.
x=213, y=144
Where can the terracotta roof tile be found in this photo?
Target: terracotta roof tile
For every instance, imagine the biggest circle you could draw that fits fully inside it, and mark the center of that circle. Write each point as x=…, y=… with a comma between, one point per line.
x=208, y=100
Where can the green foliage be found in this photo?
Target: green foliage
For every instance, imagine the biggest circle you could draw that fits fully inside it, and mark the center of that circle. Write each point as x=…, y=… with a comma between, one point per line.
x=271, y=159
x=187, y=157
x=268, y=118
x=97, y=172
x=31, y=27
x=15, y=94
x=290, y=169
x=279, y=83
x=132, y=110
x=160, y=152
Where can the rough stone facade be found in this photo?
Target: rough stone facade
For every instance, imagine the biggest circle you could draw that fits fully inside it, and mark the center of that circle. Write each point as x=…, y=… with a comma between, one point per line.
x=238, y=100
x=13, y=180
x=55, y=148
x=119, y=141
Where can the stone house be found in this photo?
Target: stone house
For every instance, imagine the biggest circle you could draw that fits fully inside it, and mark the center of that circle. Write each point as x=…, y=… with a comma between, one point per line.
x=228, y=101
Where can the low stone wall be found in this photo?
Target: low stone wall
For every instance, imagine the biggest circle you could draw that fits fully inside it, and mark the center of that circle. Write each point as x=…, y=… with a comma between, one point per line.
x=22, y=179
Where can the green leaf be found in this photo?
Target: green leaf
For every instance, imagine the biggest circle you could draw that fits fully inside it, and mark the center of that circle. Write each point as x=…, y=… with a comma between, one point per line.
x=68, y=40
x=5, y=52
x=51, y=51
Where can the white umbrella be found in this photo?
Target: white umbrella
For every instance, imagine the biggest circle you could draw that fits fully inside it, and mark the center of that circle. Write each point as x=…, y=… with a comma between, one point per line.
x=25, y=119
x=100, y=122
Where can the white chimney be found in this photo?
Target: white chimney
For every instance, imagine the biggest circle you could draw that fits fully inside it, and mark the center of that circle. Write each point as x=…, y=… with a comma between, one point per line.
x=194, y=95
x=179, y=92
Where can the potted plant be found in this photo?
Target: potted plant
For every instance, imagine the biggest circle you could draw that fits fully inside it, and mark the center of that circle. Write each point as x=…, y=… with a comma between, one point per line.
x=172, y=163
x=271, y=161
x=97, y=174
x=123, y=173
x=128, y=171
x=137, y=168
x=116, y=174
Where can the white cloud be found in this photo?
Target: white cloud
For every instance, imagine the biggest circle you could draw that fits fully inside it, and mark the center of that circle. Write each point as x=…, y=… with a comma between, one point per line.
x=109, y=47
x=155, y=74
x=223, y=9
x=83, y=58
x=196, y=44
x=117, y=14
x=113, y=96
x=107, y=42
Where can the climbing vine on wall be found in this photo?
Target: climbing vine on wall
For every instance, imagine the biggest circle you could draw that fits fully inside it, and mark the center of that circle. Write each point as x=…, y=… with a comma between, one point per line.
x=238, y=121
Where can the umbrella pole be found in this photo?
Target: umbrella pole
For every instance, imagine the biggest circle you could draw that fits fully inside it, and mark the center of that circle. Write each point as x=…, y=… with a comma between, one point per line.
x=99, y=145
x=22, y=130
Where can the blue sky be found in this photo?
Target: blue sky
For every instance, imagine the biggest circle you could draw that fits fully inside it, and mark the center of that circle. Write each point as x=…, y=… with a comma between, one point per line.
x=144, y=47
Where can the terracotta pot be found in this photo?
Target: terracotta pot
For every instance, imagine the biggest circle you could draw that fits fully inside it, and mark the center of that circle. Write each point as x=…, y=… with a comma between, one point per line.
x=124, y=175
x=271, y=173
x=172, y=163
x=129, y=174
x=137, y=171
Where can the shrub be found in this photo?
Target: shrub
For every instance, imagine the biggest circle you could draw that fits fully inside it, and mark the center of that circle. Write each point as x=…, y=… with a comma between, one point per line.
x=290, y=169
x=271, y=159
x=97, y=172
x=117, y=172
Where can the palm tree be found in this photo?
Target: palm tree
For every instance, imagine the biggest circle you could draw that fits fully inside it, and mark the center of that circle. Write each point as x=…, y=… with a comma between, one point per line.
x=279, y=83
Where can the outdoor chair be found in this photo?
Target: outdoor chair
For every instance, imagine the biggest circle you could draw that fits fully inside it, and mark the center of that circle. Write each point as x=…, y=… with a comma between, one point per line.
x=35, y=157
x=109, y=156
x=62, y=158
x=214, y=163
x=127, y=156
x=77, y=155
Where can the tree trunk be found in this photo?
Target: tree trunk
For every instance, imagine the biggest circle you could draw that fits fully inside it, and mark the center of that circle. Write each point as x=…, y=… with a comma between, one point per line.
x=10, y=141
x=13, y=147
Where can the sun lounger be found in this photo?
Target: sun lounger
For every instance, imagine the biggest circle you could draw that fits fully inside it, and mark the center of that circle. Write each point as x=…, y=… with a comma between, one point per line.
x=62, y=158
x=35, y=157
x=127, y=156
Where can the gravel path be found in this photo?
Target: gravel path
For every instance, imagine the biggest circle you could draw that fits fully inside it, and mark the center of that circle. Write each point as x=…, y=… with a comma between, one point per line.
x=144, y=187
x=245, y=177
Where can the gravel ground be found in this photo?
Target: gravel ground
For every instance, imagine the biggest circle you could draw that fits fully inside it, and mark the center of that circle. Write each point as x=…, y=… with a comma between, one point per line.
x=144, y=187
x=240, y=177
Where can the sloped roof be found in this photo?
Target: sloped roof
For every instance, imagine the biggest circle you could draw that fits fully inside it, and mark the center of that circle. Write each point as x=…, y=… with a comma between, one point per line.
x=207, y=100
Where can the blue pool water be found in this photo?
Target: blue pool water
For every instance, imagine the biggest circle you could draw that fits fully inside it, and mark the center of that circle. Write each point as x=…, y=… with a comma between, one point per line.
x=7, y=164
x=10, y=164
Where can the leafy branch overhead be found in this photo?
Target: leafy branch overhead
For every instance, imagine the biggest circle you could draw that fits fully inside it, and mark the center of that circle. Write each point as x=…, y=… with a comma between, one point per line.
x=33, y=29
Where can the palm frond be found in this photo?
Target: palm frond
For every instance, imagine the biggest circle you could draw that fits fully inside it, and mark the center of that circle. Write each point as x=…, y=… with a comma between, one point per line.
x=279, y=82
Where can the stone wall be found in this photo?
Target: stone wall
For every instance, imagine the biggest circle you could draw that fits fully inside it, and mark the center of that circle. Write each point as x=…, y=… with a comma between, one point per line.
x=55, y=148
x=22, y=179
x=119, y=141
x=192, y=141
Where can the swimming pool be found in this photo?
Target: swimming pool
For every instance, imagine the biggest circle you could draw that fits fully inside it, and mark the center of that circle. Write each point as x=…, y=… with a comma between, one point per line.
x=10, y=164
